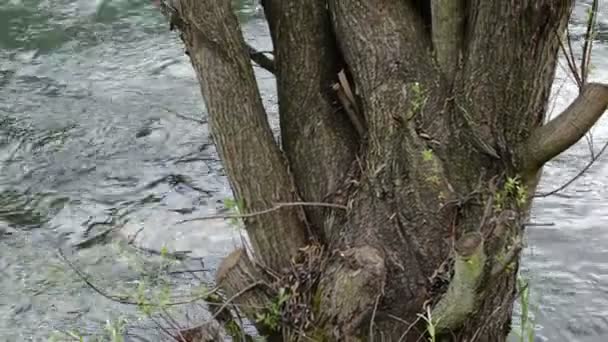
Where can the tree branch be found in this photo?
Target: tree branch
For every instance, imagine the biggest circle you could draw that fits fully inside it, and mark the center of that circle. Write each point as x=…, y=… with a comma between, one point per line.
x=318, y=141
x=387, y=50
x=568, y=127
x=261, y=59
x=495, y=96
x=258, y=172
x=448, y=18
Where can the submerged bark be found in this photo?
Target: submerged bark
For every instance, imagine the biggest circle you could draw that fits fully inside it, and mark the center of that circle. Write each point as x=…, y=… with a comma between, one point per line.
x=436, y=157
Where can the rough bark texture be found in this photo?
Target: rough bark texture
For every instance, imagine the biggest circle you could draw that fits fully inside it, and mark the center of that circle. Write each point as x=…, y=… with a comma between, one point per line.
x=240, y=128
x=318, y=139
x=452, y=95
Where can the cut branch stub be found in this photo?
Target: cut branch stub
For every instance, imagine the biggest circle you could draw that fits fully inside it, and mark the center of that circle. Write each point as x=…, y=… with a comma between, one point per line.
x=461, y=297
x=568, y=127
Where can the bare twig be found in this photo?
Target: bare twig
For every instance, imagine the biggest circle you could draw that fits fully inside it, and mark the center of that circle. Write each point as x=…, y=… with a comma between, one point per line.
x=569, y=54
x=539, y=224
x=181, y=116
x=190, y=271
x=371, y=322
x=348, y=102
x=121, y=299
x=165, y=330
x=95, y=239
x=577, y=176
x=588, y=44
x=229, y=301
x=352, y=115
x=410, y=326
x=277, y=206
x=177, y=255
x=84, y=278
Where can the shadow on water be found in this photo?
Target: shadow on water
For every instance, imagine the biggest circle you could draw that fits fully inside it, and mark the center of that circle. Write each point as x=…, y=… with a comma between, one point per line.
x=103, y=135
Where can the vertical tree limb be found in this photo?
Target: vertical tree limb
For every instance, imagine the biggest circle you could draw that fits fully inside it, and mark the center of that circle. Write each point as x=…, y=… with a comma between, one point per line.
x=387, y=49
x=255, y=166
x=318, y=138
x=503, y=81
x=448, y=17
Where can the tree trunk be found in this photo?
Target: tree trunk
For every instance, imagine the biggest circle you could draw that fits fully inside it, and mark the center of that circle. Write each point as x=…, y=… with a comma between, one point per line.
x=421, y=122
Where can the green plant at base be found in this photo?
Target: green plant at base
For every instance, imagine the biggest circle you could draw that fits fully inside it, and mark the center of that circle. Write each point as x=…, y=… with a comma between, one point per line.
x=116, y=329
x=430, y=324
x=113, y=332
x=270, y=316
x=526, y=332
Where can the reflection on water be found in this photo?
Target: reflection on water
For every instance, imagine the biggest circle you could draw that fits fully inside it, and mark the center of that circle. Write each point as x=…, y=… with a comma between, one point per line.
x=102, y=126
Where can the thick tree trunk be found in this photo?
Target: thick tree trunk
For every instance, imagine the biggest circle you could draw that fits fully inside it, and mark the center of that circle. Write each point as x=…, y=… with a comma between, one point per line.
x=432, y=141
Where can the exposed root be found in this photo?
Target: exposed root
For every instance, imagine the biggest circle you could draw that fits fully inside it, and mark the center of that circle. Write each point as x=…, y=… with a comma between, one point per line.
x=283, y=306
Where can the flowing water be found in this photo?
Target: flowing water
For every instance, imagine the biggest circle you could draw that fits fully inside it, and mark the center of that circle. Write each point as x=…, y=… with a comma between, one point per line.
x=102, y=126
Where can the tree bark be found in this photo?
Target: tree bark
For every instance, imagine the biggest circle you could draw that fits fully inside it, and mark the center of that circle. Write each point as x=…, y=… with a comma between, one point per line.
x=437, y=177
x=317, y=137
x=257, y=170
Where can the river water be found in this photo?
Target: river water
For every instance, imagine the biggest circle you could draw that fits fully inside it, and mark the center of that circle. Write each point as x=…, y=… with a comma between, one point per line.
x=102, y=126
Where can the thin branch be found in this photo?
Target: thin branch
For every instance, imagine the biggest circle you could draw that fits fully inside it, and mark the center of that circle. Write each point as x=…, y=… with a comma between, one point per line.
x=85, y=279
x=261, y=59
x=567, y=128
x=539, y=224
x=165, y=330
x=578, y=175
x=569, y=54
x=121, y=299
x=371, y=321
x=229, y=301
x=190, y=271
x=588, y=45
x=266, y=211
x=409, y=328
x=181, y=116
x=347, y=99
